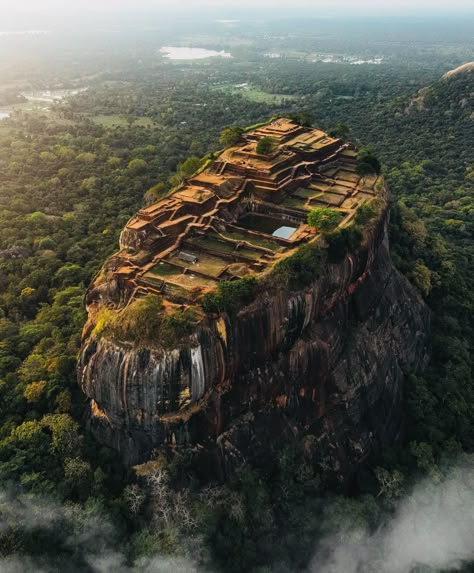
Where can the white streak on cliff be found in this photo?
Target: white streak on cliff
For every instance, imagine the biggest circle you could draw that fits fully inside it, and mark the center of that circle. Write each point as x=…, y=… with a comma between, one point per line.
x=198, y=383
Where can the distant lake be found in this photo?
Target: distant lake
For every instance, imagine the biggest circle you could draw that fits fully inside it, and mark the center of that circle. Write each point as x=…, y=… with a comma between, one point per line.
x=174, y=53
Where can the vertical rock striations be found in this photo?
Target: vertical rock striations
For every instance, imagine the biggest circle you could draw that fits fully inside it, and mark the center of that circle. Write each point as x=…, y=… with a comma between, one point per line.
x=324, y=364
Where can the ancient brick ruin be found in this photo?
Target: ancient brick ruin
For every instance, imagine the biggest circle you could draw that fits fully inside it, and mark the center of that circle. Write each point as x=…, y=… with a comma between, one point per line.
x=240, y=215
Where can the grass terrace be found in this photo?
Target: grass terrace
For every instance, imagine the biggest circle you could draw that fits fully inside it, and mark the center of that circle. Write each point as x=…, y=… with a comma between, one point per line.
x=253, y=239
x=320, y=186
x=349, y=176
x=212, y=243
x=177, y=276
x=349, y=153
x=206, y=264
x=248, y=253
x=329, y=171
x=296, y=202
x=305, y=193
x=242, y=213
x=163, y=269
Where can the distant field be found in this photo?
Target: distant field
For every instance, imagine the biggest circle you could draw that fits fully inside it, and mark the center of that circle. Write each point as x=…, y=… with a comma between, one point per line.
x=144, y=122
x=254, y=94
x=28, y=106
x=111, y=121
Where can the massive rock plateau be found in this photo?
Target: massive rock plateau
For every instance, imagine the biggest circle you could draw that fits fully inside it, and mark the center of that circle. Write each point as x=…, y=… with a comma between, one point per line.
x=323, y=365
x=326, y=362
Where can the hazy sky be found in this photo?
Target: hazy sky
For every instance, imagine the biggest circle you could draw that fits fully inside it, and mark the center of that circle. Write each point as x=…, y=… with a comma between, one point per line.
x=82, y=14
x=324, y=7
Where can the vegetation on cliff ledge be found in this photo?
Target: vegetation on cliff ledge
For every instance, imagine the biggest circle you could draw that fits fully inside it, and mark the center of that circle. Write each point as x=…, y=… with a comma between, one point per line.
x=266, y=145
x=301, y=268
x=367, y=161
x=146, y=322
x=231, y=295
x=324, y=219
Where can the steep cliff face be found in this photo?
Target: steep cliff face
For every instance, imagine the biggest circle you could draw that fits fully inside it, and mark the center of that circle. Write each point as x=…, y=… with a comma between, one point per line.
x=324, y=364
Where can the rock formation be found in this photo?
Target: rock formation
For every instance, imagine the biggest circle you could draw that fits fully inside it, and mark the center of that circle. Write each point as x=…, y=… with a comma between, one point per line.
x=463, y=69
x=322, y=363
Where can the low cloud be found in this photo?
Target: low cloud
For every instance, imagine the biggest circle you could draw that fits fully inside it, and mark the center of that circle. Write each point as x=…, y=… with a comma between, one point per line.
x=86, y=535
x=433, y=528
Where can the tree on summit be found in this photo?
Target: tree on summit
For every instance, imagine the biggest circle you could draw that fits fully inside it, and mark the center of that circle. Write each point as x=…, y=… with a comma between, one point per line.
x=266, y=145
x=323, y=219
x=340, y=130
x=231, y=136
x=367, y=162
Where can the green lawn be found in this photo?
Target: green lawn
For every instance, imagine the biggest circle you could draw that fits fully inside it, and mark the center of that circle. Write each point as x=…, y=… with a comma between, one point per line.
x=211, y=243
x=255, y=94
x=111, y=121
x=348, y=176
x=206, y=264
x=305, y=192
x=165, y=270
x=253, y=239
x=249, y=253
x=296, y=203
x=332, y=199
x=259, y=96
x=144, y=122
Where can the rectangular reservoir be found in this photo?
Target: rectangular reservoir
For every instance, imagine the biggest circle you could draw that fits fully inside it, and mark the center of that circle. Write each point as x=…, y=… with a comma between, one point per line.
x=284, y=232
x=264, y=224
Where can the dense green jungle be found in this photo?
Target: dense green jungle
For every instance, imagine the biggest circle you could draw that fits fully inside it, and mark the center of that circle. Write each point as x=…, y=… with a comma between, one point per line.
x=132, y=124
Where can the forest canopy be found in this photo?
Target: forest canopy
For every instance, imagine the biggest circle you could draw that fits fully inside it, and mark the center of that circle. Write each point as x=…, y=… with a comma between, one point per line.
x=73, y=175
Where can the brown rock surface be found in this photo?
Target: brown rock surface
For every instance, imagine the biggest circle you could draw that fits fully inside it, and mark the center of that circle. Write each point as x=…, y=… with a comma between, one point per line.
x=324, y=364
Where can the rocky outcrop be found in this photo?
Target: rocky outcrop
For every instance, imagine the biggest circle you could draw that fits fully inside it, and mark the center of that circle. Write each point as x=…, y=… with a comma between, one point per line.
x=463, y=69
x=451, y=96
x=15, y=253
x=324, y=364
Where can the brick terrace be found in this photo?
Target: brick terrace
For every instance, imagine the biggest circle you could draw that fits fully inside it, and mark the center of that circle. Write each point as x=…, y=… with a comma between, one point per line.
x=221, y=224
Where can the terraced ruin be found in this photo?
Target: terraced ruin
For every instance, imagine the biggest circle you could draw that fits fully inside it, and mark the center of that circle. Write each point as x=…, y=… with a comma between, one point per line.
x=232, y=371
x=239, y=216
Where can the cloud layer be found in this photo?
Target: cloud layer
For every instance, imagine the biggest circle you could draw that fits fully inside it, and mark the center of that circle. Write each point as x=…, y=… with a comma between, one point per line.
x=433, y=527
